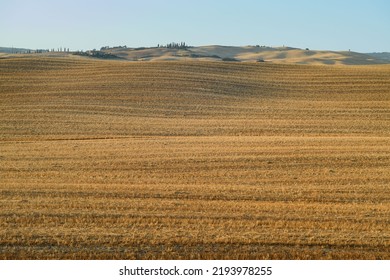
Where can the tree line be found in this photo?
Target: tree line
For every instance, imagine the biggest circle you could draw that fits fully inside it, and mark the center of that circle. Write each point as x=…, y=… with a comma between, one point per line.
x=174, y=45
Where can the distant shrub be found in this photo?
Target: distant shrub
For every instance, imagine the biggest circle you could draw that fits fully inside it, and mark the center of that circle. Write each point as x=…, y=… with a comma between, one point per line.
x=230, y=59
x=97, y=54
x=195, y=55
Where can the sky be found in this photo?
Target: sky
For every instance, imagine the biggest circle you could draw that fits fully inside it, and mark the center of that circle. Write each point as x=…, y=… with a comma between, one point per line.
x=362, y=26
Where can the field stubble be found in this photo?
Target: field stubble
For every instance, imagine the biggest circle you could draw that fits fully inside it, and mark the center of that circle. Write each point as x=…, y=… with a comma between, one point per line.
x=193, y=160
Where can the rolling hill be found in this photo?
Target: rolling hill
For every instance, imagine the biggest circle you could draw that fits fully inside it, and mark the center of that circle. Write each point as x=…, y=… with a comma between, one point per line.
x=382, y=55
x=13, y=50
x=248, y=54
x=104, y=159
x=219, y=53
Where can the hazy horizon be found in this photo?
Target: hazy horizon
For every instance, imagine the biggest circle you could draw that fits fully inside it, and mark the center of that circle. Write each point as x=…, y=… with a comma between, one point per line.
x=360, y=26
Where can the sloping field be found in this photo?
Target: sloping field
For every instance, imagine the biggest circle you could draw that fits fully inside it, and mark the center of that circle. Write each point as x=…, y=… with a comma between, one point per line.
x=193, y=160
x=248, y=54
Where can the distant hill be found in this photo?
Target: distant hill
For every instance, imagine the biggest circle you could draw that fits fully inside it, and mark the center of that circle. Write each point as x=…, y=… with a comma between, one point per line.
x=248, y=54
x=223, y=53
x=382, y=55
x=13, y=50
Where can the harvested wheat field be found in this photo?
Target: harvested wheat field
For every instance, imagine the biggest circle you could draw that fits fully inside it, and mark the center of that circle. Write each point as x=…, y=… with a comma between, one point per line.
x=193, y=160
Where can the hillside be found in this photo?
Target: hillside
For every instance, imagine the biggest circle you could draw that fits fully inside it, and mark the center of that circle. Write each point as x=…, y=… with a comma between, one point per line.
x=13, y=50
x=248, y=54
x=281, y=55
x=382, y=55
x=104, y=159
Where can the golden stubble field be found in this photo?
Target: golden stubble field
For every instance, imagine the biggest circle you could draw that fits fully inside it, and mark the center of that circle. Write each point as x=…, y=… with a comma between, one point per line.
x=193, y=160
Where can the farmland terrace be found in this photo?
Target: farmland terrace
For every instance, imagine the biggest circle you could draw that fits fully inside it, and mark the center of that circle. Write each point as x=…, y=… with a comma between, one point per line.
x=193, y=160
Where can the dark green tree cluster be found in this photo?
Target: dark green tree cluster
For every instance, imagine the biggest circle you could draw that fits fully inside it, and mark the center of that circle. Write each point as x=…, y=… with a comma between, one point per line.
x=96, y=54
x=173, y=45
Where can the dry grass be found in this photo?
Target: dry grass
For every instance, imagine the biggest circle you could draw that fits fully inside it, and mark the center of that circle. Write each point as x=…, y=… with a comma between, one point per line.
x=246, y=54
x=193, y=160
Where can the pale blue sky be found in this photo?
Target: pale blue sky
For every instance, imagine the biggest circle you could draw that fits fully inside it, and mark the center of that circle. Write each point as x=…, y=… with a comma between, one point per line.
x=362, y=26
